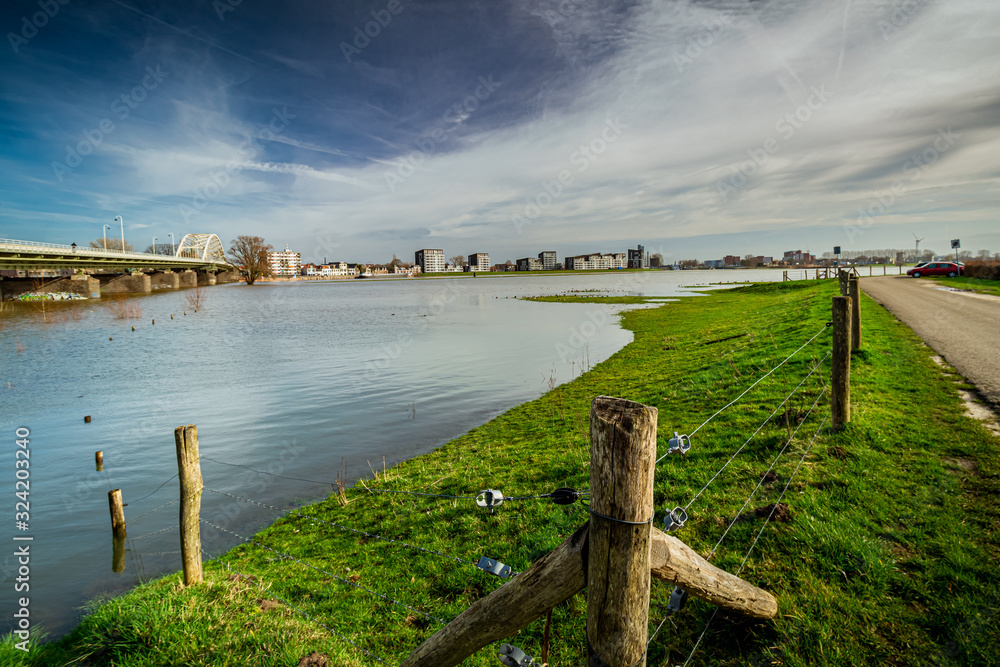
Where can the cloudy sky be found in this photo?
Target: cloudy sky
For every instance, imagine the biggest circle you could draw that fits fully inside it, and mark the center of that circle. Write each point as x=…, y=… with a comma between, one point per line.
x=355, y=130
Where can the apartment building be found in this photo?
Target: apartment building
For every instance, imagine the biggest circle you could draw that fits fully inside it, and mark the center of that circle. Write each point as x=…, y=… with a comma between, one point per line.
x=285, y=262
x=430, y=260
x=638, y=259
x=528, y=264
x=479, y=261
x=548, y=259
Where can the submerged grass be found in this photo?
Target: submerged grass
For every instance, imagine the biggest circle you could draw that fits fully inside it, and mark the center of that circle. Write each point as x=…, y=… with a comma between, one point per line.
x=888, y=556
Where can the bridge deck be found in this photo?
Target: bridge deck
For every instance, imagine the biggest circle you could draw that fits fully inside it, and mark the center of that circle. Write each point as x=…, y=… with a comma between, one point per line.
x=33, y=256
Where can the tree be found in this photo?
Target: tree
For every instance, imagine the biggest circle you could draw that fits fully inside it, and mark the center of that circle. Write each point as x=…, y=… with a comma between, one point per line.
x=656, y=260
x=395, y=262
x=749, y=261
x=161, y=249
x=113, y=244
x=984, y=254
x=458, y=260
x=250, y=254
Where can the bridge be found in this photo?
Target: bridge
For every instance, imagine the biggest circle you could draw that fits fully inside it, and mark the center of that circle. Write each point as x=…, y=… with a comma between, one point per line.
x=202, y=252
x=198, y=260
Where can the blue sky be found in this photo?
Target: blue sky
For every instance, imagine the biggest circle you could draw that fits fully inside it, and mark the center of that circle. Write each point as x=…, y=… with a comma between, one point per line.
x=355, y=130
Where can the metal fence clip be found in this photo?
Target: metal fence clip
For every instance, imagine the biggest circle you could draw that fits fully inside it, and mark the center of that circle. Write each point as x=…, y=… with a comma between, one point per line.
x=489, y=499
x=493, y=567
x=512, y=656
x=565, y=496
x=678, y=598
x=679, y=444
x=675, y=519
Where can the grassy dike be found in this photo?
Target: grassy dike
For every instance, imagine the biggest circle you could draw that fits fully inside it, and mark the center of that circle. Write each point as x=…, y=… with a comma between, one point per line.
x=888, y=557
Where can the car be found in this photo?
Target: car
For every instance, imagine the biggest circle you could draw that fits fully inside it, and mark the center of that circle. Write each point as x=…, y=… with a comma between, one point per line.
x=950, y=269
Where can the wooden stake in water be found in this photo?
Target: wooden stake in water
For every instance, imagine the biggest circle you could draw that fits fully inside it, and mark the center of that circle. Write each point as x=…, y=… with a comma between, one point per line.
x=117, y=512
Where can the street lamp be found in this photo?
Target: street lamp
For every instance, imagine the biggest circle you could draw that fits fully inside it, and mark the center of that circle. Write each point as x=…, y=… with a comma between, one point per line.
x=154, y=245
x=171, y=235
x=122, y=220
x=105, y=232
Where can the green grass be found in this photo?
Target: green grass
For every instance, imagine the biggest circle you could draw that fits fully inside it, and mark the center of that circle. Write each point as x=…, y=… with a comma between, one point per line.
x=889, y=557
x=975, y=284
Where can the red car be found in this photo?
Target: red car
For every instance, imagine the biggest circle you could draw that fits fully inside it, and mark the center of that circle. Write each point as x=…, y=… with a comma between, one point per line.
x=950, y=269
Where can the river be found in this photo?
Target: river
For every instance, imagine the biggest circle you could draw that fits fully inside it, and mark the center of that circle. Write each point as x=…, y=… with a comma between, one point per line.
x=301, y=380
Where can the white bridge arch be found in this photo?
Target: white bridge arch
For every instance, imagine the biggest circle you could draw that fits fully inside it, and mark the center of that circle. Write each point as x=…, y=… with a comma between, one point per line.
x=206, y=247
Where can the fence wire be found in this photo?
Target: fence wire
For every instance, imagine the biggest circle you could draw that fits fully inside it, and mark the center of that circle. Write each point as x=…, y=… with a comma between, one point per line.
x=747, y=390
x=757, y=536
x=345, y=528
x=282, y=554
x=309, y=616
x=759, y=429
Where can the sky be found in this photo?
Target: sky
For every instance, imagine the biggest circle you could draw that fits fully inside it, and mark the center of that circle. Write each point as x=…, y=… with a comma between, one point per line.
x=354, y=131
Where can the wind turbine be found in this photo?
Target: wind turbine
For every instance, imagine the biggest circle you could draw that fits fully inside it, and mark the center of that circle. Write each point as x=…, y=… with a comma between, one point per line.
x=918, y=245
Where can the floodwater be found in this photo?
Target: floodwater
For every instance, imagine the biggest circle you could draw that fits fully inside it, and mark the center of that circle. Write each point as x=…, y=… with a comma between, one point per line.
x=299, y=380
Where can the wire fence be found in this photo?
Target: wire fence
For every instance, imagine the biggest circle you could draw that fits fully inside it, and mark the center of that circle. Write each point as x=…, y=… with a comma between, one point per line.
x=493, y=498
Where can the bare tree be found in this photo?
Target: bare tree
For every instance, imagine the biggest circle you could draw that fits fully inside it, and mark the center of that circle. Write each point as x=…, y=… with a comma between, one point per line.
x=113, y=244
x=250, y=254
x=160, y=249
x=458, y=260
x=749, y=261
x=395, y=262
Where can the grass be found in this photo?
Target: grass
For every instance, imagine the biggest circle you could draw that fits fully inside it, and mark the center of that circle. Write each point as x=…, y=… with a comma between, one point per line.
x=975, y=284
x=888, y=557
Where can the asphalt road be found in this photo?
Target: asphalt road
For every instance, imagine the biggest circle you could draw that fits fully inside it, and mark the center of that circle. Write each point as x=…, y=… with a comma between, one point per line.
x=962, y=327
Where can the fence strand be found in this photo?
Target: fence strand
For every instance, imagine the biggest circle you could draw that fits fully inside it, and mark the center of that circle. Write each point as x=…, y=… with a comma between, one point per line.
x=747, y=390
x=759, y=532
x=282, y=554
x=759, y=429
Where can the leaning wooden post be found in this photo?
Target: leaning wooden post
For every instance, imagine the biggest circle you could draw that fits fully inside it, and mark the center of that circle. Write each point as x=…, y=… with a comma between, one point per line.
x=189, y=472
x=117, y=512
x=622, y=455
x=840, y=397
x=99, y=460
x=855, y=295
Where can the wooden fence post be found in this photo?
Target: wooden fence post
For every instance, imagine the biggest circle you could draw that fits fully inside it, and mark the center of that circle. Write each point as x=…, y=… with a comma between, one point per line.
x=117, y=512
x=622, y=456
x=855, y=294
x=840, y=397
x=189, y=472
x=842, y=278
x=99, y=460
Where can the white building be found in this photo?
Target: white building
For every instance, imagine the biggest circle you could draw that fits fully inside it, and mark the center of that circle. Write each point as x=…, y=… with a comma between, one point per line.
x=479, y=261
x=430, y=260
x=285, y=262
x=548, y=259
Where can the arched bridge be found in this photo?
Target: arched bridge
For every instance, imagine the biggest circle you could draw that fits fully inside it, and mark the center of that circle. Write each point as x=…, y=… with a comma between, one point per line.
x=195, y=251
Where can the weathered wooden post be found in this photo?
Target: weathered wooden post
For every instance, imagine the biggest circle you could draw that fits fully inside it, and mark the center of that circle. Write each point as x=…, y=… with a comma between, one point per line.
x=840, y=396
x=118, y=554
x=842, y=278
x=855, y=294
x=117, y=512
x=622, y=455
x=99, y=460
x=189, y=472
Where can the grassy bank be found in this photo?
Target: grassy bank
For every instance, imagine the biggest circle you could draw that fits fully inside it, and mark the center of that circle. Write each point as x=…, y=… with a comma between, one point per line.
x=887, y=557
